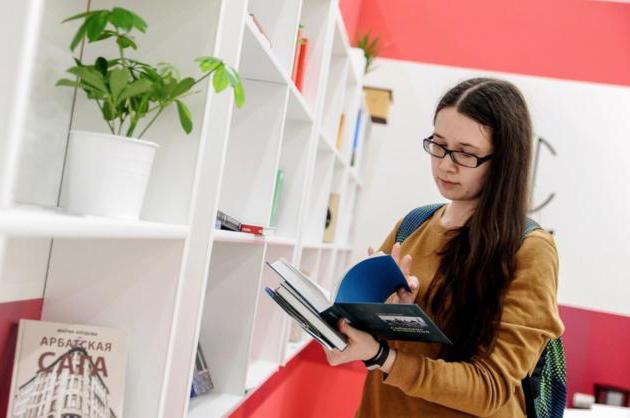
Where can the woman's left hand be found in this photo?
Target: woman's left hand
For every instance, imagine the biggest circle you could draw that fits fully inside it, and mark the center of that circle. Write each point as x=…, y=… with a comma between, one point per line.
x=361, y=346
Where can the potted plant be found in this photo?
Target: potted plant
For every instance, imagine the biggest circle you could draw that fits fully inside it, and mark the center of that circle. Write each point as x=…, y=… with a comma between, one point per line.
x=107, y=174
x=379, y=100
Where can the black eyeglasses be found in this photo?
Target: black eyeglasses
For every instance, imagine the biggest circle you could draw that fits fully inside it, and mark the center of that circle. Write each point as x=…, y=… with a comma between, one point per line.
x=459, y=157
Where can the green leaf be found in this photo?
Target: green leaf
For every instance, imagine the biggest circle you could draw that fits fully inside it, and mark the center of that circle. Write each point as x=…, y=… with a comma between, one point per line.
x=121, y=18
x=67, y=83
x=126, y=42
x=96, y=25
x=101, y=65
x=118, y=79
x=90, y=76
x=78, y=36
x=80, y=15
x=208, y=64
x=183, y=86
x=185, y=117
x=232, y=76
x=109, y=111
x=105, y=35
x=167, y=70
x=239, y=95
x=219, y=79
x=136, y=88
x=138, y=23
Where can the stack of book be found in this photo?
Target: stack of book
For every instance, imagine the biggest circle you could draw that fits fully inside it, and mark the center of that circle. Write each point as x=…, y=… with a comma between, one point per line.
x=360, y=300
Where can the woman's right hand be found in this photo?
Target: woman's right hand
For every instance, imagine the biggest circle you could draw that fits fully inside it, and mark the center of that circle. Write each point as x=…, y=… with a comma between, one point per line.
x=402, y=295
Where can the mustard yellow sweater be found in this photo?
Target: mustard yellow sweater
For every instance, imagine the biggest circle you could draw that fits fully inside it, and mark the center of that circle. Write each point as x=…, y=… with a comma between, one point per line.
x=419, y=385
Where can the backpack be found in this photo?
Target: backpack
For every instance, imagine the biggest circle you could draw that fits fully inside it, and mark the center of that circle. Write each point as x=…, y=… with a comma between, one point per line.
x=545, y=389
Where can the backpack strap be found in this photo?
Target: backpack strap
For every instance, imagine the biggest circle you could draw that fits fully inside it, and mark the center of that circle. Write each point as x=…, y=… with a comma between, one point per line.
x=414, y=219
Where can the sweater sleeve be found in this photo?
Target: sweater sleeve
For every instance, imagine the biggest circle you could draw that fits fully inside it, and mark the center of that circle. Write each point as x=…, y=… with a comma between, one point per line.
x=530, y=318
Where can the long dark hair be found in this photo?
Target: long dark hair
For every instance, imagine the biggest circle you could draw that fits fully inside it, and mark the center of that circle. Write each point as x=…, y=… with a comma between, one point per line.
x=478, y=260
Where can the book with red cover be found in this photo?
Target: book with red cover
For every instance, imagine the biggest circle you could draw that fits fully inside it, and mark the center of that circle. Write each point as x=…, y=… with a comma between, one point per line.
x=252, y=229
x=296, y=57
x=299, y=82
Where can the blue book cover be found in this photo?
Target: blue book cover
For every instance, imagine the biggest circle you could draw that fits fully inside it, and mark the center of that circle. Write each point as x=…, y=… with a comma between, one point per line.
x=361, y=300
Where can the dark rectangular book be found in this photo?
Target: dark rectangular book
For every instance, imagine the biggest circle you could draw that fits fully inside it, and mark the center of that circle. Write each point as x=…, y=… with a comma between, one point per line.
x=360, y=299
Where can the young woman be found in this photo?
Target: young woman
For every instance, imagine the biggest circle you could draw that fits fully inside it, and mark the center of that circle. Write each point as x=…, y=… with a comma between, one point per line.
x=492, y=293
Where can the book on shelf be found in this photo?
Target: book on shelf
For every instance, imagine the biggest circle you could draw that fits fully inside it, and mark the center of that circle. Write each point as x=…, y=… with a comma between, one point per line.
x=331, y=217
x=80, y=364
x=277, y=191
x=261, y=30
x=355, y=139
x=360, y=299
x=342, y=125
x=301, y=63
x=202, y=381
x=296, y=54
x=224, y=221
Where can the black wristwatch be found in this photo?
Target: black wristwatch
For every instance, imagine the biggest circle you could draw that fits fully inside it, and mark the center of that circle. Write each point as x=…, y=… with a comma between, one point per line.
x=379, y=359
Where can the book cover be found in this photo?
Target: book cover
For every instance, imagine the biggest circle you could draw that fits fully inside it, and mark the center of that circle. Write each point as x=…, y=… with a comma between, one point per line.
x=68, y=370
x=296, y=57
x=275, y=205
x=342, y=125
x=355, y=139
x=299, y=77
x=331, y=217
x=228, y=222
x=360, y=299
x=202, y=382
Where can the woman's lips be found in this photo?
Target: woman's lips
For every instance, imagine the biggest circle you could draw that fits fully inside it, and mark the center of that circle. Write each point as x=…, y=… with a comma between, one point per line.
x=447, y=183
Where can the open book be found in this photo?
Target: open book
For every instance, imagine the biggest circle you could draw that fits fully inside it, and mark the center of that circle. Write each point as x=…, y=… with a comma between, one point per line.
x=360, y=299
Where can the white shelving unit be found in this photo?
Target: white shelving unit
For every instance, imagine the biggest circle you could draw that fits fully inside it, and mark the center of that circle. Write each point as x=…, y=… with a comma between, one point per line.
x=171, y=279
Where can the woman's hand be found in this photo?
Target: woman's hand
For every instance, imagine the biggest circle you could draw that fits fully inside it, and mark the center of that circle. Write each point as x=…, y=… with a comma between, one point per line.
x=361, y=346
x=402, y=295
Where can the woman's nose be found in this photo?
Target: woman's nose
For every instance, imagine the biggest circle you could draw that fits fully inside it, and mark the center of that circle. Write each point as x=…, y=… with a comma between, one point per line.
x=447, y=163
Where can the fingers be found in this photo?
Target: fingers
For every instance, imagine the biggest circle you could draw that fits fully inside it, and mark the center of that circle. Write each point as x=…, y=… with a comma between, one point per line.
x=370, y=251
x=396, y=252
x=405, y=264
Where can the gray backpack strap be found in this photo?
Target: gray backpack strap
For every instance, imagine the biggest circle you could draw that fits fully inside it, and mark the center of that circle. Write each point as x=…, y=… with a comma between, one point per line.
x=530, y=225
x=414, y=219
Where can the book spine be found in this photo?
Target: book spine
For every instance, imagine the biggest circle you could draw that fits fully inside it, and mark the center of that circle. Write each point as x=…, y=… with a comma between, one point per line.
x=252, y=229
x=342, y=124
x=227, y=222
x=355, y=140
x=273, y=219
x=296, y=57
x=299, y=82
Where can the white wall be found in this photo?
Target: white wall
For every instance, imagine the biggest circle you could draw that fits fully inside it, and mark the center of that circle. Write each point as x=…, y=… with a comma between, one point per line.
x=588, y=125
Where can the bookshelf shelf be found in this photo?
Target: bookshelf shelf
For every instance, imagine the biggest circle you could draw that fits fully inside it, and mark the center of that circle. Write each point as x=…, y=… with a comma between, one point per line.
x=34, y=221
x=258, y=373
x=278, y=158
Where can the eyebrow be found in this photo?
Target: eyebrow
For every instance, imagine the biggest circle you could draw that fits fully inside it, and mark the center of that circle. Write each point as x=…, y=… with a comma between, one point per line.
x=463, y=144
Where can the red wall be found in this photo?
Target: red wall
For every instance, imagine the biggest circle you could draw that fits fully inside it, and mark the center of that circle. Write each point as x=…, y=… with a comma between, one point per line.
x=566, y=39
x=10, y=313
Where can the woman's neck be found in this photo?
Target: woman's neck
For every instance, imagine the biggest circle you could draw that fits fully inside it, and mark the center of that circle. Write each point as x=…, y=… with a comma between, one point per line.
x=456, y=213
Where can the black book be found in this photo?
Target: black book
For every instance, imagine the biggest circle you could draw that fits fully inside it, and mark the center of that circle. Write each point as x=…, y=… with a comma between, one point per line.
x=360, y=299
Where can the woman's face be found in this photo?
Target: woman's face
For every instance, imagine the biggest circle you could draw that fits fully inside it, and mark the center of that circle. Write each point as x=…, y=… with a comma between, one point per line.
x=458, y=132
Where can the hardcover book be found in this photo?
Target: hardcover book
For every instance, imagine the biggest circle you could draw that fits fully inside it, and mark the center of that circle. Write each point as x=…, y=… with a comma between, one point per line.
x=360, y=299
x=65, y=370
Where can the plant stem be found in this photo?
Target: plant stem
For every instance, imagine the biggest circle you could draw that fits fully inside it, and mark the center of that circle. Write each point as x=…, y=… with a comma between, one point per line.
x=151, y=122
x=111, y=128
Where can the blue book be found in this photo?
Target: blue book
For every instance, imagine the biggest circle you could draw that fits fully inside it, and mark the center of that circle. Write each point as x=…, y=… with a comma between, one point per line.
x=360, y=299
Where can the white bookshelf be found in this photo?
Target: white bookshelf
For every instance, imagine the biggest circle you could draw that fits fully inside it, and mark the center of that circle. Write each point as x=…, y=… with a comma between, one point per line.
x=171, y=279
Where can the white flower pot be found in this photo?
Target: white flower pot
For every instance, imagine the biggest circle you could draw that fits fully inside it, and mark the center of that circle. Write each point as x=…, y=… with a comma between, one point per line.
x=106, y=175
